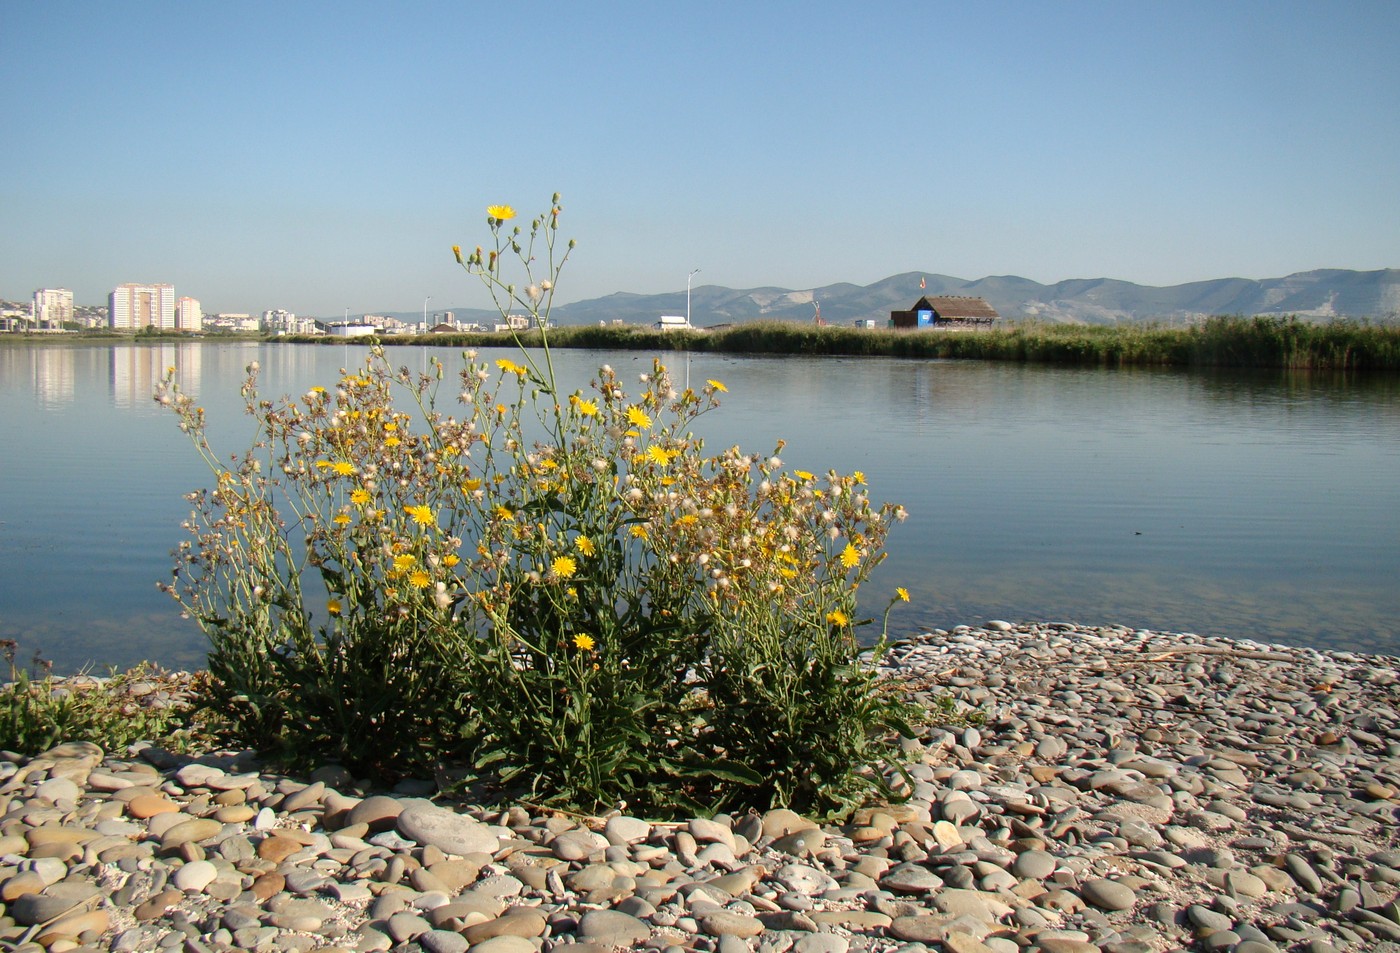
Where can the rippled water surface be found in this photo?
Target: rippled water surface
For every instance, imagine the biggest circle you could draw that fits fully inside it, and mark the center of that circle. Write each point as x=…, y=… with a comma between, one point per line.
x=1259, y=505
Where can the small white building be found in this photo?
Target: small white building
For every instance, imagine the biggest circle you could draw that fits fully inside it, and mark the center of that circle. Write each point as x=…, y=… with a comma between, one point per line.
x=673, y=322
x=351, y=330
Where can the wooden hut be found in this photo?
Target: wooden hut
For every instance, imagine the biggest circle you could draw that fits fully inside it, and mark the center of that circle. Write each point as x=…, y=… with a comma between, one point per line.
x=945, y=311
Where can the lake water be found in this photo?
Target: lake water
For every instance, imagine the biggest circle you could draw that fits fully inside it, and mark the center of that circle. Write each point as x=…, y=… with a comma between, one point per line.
x=1262, y=505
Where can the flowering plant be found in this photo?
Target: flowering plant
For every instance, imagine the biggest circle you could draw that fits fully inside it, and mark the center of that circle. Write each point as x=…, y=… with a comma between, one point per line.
x=561, y=591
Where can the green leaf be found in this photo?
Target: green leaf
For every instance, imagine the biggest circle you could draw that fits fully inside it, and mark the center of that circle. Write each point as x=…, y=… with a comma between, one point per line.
x=722, y=770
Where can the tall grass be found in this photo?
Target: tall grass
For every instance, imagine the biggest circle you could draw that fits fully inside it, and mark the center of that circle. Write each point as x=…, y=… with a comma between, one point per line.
x=1231, y=341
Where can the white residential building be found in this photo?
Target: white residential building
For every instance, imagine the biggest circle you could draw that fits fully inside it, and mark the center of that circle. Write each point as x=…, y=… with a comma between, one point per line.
x=278, y=321
x=52, y=307
x=132, y=307
x=188, y=315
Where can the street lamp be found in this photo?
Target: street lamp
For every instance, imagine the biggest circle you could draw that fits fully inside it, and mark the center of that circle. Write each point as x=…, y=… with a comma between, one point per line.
x=687, y=295
x=425, y=311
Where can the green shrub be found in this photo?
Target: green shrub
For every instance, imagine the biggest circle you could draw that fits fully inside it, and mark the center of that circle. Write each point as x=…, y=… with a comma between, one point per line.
x=562, y=590
x=38, y=711
x=1223, y=341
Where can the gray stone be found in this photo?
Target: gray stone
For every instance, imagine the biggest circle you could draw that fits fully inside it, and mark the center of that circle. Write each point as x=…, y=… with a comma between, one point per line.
x=724, y=923
x=379, y=812
x=910, y=878
x=56, y=900
x=610, y=926
x=443, y=941
x=406, y=926
x=449, y=832
x=821, y=943
x=1108, y=894
x=1033, y=865
x=505, y=944
x=621, y=829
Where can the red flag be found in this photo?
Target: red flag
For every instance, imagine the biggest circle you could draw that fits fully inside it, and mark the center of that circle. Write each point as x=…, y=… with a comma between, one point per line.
x=922, y=284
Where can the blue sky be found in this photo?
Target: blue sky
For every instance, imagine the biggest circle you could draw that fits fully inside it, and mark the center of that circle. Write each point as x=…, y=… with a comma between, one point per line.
x=324, y=156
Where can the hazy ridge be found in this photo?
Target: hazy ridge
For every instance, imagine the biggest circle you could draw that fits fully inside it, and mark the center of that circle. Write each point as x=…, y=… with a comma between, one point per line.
x=1324, y=293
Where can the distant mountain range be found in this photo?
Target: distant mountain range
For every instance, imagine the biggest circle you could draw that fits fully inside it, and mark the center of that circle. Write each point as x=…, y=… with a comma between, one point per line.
x=1325, y=293
x=1322, y=294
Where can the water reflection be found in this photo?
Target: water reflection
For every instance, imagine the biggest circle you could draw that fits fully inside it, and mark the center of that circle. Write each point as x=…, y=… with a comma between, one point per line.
x=1260, y=505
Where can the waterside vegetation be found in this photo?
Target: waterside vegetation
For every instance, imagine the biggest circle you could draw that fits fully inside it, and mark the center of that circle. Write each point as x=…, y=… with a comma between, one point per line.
x=1228, y=341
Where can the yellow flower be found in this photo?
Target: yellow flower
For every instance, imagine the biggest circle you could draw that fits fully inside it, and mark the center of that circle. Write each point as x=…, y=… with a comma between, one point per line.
x=340, y=519
x=359, y=497
x=422, y=515
x=563, y=566
x=585, y=545
x=718, y=386
x=457, y=252
x=902, y=594
x=321, y=465
x=318, y=389
x=638, y=531
x=588, y=408
x=584, y=642
x=471, y=486
x=501, y=213
x=343, y=468
x=803, y=475
x=333, y=606
x=391, y=441
x=450, y=560
x=504, y=513
x=404, y=562
x=419, y=579
x=659, y=455
x=837, y=617
x=850, y=556
x=638, y=417
x=510, y=367
x=858, y=478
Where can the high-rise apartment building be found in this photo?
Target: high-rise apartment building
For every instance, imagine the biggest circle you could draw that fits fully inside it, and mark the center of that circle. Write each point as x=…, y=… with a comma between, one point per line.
x=188, y=316
x=132, y=307
x=52, y=307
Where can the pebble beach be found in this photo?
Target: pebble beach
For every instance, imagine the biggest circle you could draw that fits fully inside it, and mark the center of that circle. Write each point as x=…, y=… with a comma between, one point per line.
x=1112, y=791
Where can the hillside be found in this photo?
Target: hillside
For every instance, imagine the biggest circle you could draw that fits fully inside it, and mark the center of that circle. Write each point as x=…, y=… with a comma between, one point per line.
x=1322, y=294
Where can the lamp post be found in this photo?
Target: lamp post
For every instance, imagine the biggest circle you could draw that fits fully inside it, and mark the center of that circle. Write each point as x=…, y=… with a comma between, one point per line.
x=425, y=311
x=687, y=295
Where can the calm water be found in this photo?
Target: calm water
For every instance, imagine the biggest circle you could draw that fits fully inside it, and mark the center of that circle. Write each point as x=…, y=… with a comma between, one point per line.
x=1263, y=506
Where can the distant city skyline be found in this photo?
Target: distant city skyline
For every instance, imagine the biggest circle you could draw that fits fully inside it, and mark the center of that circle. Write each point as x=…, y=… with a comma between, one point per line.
x=321, y=158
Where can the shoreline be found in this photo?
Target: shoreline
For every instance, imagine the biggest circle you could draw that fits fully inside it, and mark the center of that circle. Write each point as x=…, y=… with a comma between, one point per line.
x=1124, y=792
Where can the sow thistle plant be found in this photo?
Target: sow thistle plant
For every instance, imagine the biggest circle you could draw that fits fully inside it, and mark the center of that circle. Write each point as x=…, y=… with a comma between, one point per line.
x=557, y=592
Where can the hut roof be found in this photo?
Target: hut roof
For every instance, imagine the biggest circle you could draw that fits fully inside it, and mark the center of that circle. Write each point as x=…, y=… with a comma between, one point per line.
x=956, y=306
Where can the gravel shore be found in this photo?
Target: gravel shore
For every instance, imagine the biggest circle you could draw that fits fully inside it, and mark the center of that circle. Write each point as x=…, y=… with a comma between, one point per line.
x=1117, y=791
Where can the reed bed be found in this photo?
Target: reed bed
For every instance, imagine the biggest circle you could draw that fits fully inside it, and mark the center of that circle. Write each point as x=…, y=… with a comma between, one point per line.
x=1233, y=341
